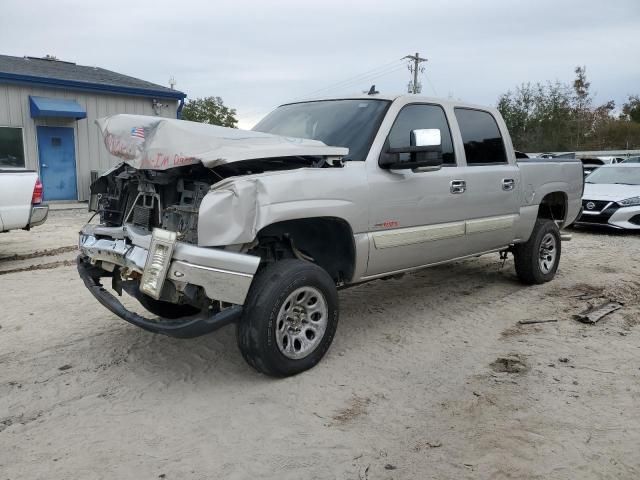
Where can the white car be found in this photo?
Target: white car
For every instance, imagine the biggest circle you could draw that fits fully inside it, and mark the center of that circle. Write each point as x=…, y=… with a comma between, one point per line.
x=635, y=159
x=21, y=199
x=612, y=197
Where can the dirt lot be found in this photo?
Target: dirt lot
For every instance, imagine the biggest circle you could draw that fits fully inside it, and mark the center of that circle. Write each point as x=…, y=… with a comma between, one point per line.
x=430, y=376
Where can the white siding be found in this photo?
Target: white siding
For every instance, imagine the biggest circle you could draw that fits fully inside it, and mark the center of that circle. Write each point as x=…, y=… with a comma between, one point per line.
x=91, y=153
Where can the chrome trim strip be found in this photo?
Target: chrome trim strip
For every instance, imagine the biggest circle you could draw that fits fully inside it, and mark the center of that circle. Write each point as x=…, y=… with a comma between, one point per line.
x=412, y=235
x=420, y=267
x=490, y=224
x=400, y=237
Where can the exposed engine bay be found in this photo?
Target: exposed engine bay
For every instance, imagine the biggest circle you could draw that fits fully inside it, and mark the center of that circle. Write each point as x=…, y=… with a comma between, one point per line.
x=170, y=199
x=149, y=198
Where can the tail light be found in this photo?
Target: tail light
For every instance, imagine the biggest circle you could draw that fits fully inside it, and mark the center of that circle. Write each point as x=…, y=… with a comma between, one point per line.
x=37, y=192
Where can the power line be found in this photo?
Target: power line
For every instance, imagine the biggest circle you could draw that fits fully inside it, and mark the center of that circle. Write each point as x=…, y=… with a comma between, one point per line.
x=368, y=75
x=432, y=87
x=362, y=80
x=355, y=79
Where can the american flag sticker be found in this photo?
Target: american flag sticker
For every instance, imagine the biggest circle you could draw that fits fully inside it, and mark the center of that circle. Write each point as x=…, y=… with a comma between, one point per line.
x=137, y=132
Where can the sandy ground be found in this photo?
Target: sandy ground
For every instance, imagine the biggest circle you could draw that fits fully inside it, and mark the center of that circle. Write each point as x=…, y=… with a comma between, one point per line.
x=412, y=387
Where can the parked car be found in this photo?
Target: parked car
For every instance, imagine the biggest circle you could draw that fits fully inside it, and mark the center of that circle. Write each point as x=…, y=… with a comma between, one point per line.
x=612, y=197
x=611, y=160
x=557, y=155
x=21, y=196
x=591, y=164
x=206, y=225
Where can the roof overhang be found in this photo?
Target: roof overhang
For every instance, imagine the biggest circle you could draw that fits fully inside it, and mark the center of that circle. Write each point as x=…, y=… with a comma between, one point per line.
x=55, y=107
x=19, y=79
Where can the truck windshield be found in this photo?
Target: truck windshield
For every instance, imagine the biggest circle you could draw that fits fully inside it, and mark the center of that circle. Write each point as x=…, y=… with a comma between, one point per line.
x=337, y=123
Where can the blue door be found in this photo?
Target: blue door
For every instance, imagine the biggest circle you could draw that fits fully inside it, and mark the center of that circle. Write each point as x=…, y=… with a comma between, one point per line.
x=56, y=148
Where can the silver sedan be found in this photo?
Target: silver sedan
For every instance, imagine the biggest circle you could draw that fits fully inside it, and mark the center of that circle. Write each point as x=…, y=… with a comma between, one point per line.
x=612, y=197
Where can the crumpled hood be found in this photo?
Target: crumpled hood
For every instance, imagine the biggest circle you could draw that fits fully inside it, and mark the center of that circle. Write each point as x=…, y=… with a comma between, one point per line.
x=611, y=192
x=158, y=143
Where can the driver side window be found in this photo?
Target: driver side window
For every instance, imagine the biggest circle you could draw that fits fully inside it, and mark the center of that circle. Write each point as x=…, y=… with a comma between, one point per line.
x=416, y=117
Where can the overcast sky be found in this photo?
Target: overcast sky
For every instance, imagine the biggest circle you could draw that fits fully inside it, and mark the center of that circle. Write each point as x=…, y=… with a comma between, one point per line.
x=257, y=54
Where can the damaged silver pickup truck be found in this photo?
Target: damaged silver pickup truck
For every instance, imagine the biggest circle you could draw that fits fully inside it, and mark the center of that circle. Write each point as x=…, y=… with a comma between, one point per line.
x=207, y=226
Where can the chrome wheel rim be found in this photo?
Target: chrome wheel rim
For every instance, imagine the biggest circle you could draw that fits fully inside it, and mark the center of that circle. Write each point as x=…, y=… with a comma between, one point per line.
x=301, y=323
x=548, y=253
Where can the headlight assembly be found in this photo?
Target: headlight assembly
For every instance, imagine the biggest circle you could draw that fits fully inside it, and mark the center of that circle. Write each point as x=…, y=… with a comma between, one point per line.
x=155, y=270
x=629, y=202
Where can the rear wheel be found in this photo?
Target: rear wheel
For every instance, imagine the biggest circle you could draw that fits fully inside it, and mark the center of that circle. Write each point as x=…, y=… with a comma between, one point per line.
x=538, y=258
x=289, y=318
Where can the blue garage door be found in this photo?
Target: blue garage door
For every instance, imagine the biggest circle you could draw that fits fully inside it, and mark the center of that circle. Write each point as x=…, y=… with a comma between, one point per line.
x=56, y=148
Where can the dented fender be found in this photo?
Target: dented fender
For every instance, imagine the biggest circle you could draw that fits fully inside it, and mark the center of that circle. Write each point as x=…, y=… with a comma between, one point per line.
x=236, y=209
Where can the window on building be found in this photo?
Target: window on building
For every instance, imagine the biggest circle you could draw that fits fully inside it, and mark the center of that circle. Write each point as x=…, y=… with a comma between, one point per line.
x=416, y=117
x=11, y=147
x=483, y=143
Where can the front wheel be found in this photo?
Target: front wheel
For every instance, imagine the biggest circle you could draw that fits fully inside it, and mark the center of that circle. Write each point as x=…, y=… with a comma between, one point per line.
x=538, y=258
x=289, y=318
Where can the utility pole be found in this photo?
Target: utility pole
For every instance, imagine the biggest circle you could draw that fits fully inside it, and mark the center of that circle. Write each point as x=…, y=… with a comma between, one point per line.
x=414, y=67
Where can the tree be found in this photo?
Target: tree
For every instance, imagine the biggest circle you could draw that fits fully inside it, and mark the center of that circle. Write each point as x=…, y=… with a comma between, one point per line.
x=538, y=116
x=631, y=109
x=582, y=102
x=560, y=117
x=211, y=110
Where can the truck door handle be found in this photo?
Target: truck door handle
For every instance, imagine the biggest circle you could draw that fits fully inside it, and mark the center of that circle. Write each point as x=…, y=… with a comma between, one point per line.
x=44, y=165
x=508, y=184
x=457, y=186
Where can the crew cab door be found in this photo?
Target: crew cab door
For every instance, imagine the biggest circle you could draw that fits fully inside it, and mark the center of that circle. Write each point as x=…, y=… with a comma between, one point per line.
x=491, y=178
x=416, y=217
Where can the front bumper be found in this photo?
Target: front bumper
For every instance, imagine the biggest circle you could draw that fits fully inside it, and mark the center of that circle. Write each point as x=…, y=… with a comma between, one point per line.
x=38, y=215
x=224, y=276
x=185, y=327
x=612, y=216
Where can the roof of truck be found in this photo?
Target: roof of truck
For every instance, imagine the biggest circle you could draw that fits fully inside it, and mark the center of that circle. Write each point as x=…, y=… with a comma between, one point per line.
x=392, y=97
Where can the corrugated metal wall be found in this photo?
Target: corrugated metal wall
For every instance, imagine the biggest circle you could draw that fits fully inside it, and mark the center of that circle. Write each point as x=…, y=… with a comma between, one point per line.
x=91, y=153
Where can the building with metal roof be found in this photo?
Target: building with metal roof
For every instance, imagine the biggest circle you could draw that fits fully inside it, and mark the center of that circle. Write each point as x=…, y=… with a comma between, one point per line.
x=48, y=109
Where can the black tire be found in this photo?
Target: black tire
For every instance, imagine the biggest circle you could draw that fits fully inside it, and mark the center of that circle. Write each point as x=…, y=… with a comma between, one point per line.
x=256, y=330
x=527, y=255
x=165, y=309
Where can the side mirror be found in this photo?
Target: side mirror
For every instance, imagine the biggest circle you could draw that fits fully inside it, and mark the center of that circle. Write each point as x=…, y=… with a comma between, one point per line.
x=426, y=137
x=425, y=152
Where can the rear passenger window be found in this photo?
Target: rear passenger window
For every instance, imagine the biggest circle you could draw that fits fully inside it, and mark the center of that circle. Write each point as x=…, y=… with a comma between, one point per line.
x=483, y=143
x=416, y=117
